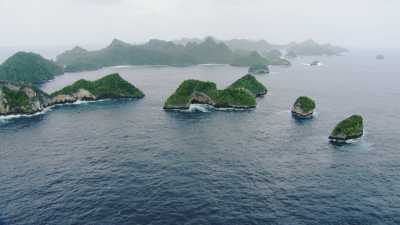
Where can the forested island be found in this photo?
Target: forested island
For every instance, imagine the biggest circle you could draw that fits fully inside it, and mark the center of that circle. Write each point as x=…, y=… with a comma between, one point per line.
x=266, y=49
x=28, y=67
x=17, y=98
x=159, y=52
x=240, y=95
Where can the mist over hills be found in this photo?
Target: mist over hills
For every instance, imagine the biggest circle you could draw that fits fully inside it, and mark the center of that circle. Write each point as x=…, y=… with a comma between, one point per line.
x=159, y=52
x=185, y=52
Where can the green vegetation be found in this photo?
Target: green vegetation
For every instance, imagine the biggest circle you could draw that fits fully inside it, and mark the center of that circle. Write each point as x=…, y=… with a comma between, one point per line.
x=110, y=86
x=16, y=98
x=154, y=52
x=21, y=98
x=349, y=128
x=229, y=98
x=305, y=103
x=158, y=52
x=28, y=67
x=235, y=97
x=250, y=83
x=182, y=95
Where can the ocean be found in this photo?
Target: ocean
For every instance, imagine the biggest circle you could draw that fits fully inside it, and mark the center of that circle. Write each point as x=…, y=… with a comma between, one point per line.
x=130, y=162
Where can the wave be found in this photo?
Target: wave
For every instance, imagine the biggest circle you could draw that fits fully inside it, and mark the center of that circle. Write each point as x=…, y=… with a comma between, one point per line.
x=208, y=108
x=17, y=116
x=200, y=108
x=47, y=109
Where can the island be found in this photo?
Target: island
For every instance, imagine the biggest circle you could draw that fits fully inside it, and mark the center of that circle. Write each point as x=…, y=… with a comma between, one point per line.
x=21, y=99
x=303, y=108
x=315, y=63
x=258, y=69
x=380, y=57
x=159, y=52
x=312, y=48
x=28, y=67
x=293, y=49
x=26, y=99
x=240, y=95
x=250, y=83
x=348, y=129
x=109, y=87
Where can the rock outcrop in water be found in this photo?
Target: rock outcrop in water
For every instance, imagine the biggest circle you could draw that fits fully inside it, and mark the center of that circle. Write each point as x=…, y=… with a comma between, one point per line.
x=26, y=99
x=205, y=92
x=380, y=57
x=21, y=99
x=303, y=108
x=314, y=63
x=258, y=69
x=348, y=129
x=250, y=83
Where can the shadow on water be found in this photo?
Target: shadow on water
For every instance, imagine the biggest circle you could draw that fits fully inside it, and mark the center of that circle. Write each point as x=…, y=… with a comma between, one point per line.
x=302, y=121
x=360, y=144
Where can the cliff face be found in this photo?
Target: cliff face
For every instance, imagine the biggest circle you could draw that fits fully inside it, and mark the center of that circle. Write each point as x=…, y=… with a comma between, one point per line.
x=25, y=99
x=350, y=128
x=21, y=99
x=240, y=95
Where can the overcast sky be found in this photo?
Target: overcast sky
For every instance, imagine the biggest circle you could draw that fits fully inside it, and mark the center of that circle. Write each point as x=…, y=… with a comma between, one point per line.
x=350, y=23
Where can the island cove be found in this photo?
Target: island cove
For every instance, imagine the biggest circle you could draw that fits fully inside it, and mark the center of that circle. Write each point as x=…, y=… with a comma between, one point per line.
x=27, y=99
x=240, y=95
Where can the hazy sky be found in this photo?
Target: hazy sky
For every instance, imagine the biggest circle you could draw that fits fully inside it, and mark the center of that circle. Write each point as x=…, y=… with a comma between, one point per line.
x=350, y=23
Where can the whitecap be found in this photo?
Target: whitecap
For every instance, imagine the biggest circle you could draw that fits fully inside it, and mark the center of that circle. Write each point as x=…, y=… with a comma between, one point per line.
x=200, y=108
x=17, y=116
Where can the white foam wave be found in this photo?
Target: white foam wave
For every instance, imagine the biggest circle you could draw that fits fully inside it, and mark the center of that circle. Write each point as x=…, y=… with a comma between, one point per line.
x=16, y=116
x=47, y=109
x=200, y=108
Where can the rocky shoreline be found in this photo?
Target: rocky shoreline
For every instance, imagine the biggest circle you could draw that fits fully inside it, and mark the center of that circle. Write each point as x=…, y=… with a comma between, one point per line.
x=21, y=99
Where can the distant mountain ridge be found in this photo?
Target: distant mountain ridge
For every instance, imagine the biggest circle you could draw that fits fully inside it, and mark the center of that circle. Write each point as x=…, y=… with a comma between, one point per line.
x=305, y=48
x=157, y=52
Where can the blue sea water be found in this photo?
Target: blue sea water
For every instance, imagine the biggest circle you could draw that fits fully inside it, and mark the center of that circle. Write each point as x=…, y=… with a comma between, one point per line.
x=130, y=162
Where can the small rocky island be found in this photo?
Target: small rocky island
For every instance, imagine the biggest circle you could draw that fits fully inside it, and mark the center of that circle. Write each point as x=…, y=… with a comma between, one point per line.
x=314, y=63
x=380, y=57
x=240, y=95
x=348, y=129
x=258, y=69
x=303, y=108
x=28, y=99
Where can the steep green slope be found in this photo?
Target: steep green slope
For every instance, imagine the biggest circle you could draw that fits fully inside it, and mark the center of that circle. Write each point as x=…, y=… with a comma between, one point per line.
x=28, y=67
